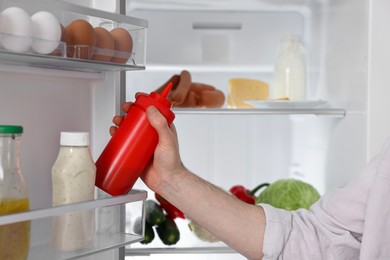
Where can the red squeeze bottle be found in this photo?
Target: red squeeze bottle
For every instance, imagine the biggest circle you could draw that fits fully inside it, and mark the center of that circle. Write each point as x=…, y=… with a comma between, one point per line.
x=132, y=146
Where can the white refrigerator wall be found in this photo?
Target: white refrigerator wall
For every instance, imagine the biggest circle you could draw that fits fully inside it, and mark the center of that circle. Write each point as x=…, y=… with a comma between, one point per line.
x=379, y=91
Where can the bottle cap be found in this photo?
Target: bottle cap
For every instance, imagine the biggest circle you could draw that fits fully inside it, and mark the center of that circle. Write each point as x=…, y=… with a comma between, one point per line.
x=11, y=129
x=74, y=139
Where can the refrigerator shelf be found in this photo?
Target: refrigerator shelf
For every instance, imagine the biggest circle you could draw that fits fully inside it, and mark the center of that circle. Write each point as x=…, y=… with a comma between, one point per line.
x=87, y=39
x=107, y=233
x=328, y=112
x=179, y=250
x=103, y=242
x=63, y=63
x=133, y=196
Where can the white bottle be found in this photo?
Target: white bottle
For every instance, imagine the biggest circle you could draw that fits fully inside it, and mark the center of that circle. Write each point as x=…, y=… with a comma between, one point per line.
x=73, y=180
x=290, y=71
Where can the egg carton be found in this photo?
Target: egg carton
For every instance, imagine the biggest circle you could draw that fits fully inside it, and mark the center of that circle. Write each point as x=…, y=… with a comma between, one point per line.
x=29, y=45
x=86, y=52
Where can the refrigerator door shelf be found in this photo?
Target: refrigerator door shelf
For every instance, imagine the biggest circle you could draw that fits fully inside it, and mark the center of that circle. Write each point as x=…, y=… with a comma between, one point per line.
x=62, y=63
x=87, y=38
x=107, y=235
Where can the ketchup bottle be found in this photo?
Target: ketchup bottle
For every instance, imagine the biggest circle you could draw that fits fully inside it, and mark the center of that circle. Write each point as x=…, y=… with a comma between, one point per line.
x=132, y=146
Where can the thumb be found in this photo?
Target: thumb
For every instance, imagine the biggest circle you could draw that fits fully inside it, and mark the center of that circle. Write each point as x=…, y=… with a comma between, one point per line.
x=158, y=121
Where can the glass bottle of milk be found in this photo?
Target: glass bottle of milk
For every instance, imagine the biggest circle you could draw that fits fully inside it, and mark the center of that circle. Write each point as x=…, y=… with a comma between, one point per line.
x=73, y=180
x=290, y=71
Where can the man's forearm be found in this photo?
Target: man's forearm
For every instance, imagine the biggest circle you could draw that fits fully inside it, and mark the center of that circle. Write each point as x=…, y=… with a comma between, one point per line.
x=238, y=224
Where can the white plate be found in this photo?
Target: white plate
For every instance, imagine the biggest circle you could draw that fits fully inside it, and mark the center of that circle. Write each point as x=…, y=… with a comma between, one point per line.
x=285, y=103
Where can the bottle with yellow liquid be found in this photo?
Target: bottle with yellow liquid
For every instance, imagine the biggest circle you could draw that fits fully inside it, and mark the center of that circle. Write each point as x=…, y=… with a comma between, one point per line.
x=15, y=237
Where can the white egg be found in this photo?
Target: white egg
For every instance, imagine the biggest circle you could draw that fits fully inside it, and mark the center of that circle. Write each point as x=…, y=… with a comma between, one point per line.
x=16, y=29
x=46, y=32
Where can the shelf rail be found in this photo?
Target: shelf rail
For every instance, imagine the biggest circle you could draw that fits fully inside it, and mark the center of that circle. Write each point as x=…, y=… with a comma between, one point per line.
x=326, y=112
x=179, y=250
x=134, y=195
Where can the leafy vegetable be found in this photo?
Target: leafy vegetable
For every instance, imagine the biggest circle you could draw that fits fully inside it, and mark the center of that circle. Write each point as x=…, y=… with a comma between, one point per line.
x=289, y=194
x=202, y=233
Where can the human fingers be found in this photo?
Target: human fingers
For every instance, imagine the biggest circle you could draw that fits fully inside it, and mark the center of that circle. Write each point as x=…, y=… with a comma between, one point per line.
x=158, y=121
x=126, y=106
x=166, y=158
x=112, y=130
x=117, y=120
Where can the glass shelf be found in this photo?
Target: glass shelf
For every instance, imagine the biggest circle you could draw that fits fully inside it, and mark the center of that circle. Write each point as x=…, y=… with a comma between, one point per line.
x=179, y=250
x=189, y=243
x=134, y=195
x=102, y=243
x=328, y=112
x=63, y=63
x=99, y=217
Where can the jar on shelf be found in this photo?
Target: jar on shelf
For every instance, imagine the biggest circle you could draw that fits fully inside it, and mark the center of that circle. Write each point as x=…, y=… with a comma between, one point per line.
x=290, y=71
x=73, y=180
x=15, y=237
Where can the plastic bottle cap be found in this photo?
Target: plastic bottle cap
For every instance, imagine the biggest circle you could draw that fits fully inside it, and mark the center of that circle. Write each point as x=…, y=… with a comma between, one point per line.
x=74, y=139
x=11, y=129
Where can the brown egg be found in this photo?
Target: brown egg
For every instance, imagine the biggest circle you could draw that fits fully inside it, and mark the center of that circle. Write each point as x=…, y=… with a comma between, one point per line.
x=105, y=46
x=80, y=37
x=123, y=45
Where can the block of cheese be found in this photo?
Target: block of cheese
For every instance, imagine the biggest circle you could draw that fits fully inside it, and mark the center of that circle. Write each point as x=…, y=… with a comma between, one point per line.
x=241, y=89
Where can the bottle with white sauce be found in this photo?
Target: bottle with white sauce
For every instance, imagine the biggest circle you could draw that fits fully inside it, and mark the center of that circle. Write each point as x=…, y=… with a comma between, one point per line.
x=73, y=180
x=290, y=71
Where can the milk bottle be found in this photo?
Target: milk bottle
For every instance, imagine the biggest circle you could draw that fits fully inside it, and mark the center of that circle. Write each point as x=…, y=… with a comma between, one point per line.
x=290, y=71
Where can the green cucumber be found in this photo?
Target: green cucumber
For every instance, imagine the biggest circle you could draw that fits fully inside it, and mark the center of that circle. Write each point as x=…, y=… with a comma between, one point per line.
x=168, y=232
x=148, y=232
x=154, y=213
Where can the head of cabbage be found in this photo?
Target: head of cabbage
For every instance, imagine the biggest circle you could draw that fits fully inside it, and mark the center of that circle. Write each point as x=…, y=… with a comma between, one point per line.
x=289, y=194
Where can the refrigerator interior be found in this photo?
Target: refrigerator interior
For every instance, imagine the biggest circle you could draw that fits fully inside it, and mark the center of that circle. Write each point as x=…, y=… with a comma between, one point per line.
x=219, y=40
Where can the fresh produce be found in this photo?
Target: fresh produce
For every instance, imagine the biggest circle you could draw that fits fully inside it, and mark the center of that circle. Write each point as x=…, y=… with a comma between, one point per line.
x=289, y=194
x=154, y=213
x=202, y=233
x=168, y=231
x=148, y=232
x=171, y=210
x=246, y=195
x=158, y=220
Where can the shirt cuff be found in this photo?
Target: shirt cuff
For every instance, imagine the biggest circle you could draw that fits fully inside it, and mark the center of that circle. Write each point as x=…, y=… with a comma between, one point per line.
x=277, y=231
